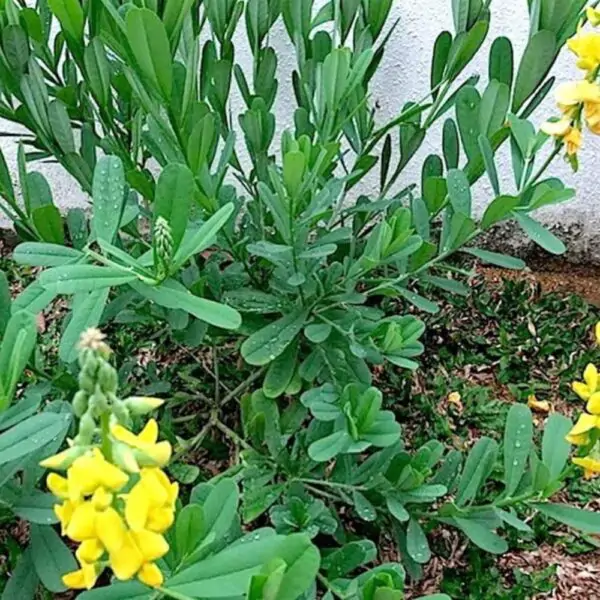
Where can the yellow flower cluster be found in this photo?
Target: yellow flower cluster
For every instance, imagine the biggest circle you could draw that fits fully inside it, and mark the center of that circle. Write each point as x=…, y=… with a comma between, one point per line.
x=579, y=101
x=117, y=514
x=586, y=432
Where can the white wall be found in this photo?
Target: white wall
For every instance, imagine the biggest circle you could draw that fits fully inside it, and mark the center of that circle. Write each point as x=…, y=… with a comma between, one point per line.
x=404, y=76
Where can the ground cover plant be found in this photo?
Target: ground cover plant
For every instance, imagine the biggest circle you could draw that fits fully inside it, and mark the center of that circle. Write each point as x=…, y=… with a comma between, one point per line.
x=256, y=247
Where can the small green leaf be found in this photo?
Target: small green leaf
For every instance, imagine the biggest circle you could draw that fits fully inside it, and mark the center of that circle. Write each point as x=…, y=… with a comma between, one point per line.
x=499, y=209
x=71, y=279
x=481, y=536
x=477, y=468
x=364, y=508
x=493, y=258
x=586, y=521
x=270, y=342
x=189, y=529
x=49, y=224
x=51, y=558
x=518, y=442
x=555, y=448
x=108, y=197
x=539, y=234
x=416, y=543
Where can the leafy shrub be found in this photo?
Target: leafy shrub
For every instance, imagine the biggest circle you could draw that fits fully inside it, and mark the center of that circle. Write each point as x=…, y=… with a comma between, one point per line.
x=267, y=241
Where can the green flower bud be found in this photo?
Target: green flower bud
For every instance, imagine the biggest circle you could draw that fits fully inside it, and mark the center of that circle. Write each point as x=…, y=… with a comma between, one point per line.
x=162, y=245
x=87, y=428
x=98, y=402
x=142, y=405
x=124, y=457
x=63, y=460
x=107, y=377
x=80, y=403
x=121, y=412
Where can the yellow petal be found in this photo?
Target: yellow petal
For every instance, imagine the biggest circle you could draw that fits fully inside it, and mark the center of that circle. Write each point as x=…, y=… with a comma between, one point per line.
x=582, y=439
x=581, y=390
x=137, y=507
x=84, y=578
x=124, y=435
x=585, y=424
x=127, y=561
x=150, y=575
x=142, y=405
x=63, y=459
x=557, y=128
x=82, y=525
x=152, y=545
x=101, y=499
x=89, y=551
x=542, y=406
x=64, y=512
x=111, y=477
x=593, y=405
x=597, y=331
x=591, y=466
x=160, y=519
x=111, y=529
x=149, y=434
x=159, y=454
x=58, y=485
x=590, y=375
x=157, y=485
x=593, y=16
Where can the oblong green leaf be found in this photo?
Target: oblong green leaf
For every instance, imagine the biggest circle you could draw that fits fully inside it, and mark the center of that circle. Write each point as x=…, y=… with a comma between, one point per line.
x=518, y=442
x=71, y=279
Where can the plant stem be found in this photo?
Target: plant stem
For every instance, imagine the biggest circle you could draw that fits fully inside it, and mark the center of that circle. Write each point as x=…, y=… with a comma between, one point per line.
x=332, y=484
x=193, y=443
x=105, y=430
x=242, y=387
x=232, y=435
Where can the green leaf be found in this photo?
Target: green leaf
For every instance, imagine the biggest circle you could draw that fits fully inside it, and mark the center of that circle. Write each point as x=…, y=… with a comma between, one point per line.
x=51, y=558
x=24, y=581
x=37, y=507
x=397, y=509
x=302, y=560
x=538, y=58
x=131, y=590
x=441, y=52
x=585, y=521
x=71, y=279
x=109, y=197
x=34, y=299
x=149, y=43
x=60, y=125
x=172, y=294
x=294, y=165
x=481, y=536
x=199, y=240
x=468, y=102
x=17, y=345
x=363, y=507
x=30, y=435
x=98, y=71
x=87, y=312
x=189, y=529
x=518, y=442
x=16, y=48
x=499, y=209
x=459, y=192
x=555, y=448
x=70, y=15
x=493, y=109
x=49, y=224
x=493, y=258
x=5, y=303
x=511, y=519
x=280, y=372
x=416, y=543
x=329, y=447
x=317, y=333
x=477, y=468
x=502, y=61
x=419, y=301
x=174, y=193
x=270, y=342
x=539, y=234
x=451, y=145
x=38, y=192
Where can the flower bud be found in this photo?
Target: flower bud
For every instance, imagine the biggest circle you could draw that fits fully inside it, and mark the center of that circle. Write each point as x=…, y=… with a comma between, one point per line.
x=107, y=377
x=87, y=428
x=86, y=382
x=80, y=403
x=63, y=460
x=124, y=457
x=98, y=402
x=142, y=405
x=121, y=411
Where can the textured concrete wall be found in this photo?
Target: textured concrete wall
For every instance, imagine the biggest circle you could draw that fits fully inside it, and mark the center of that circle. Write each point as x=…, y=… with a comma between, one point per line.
x=404, y=76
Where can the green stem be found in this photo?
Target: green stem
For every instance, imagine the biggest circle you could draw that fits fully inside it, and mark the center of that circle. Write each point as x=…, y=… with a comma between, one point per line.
x=232, y=435
x=240, y=389
x=105, y=431
x=332, y=484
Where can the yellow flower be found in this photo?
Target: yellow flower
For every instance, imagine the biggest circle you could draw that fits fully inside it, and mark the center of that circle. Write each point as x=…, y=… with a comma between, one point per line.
x=62, y=460
x=93, y=471
x=585, y=389
x=542, y=406
x=84, y=578
x=145, y=442
x=89, y=551
x=580, y=434
x=151, y=502
x=573, y=141
x=557, y=128
x=593, y=15
x=586, y=46
x=590, y=464
x=597, y=332
x=111, y=529
x=150, y=575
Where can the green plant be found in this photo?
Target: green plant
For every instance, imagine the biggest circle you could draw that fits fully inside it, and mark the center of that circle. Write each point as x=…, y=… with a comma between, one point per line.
x=311, y=275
